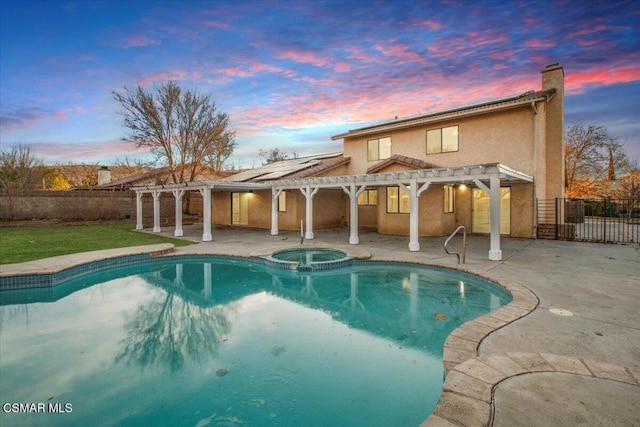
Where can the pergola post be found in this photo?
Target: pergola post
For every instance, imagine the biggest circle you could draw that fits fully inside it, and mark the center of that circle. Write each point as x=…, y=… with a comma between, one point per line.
x=414, y=209
x=178, y=194
x=353, y=191
x=309, y=192
x=139, y=195
x=495, y=253
x=206, y=214
x=275, y=194
x=156, y=211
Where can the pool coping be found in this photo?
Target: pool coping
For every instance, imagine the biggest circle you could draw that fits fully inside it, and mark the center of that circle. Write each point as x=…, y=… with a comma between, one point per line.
x=467, y=397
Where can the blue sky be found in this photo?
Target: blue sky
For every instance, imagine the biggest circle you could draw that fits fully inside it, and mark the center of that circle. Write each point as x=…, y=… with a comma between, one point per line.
x=293, y=73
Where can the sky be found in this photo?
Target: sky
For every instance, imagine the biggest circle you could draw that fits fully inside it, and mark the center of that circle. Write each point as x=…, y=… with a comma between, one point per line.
x=291, y=74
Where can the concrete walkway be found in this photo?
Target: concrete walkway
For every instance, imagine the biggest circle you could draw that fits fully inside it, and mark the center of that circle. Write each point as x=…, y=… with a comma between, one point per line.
x=565, y=352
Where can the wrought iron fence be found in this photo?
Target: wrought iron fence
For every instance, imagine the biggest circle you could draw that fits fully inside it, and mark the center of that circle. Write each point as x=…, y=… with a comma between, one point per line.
x=594, y=220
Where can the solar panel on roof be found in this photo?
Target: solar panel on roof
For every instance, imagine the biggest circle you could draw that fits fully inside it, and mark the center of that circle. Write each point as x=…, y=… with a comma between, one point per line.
x=274, y=170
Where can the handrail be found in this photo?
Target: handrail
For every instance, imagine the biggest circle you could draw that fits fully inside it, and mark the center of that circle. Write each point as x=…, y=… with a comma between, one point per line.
x=464, y=243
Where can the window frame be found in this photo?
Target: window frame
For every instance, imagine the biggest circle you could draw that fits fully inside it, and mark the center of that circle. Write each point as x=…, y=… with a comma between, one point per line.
x=398, y=205
x=378, y=152
x=441, y=142
x=367, y=193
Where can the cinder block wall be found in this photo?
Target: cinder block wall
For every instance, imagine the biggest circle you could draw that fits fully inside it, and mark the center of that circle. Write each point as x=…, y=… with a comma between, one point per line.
x=83, y=206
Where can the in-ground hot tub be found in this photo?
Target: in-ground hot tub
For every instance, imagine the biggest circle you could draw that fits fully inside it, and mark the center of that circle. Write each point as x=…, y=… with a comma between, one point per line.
x=308, y=259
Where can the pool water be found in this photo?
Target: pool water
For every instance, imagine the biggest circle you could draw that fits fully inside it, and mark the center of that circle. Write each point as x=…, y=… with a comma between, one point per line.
x=216, y=341
x=308, y=256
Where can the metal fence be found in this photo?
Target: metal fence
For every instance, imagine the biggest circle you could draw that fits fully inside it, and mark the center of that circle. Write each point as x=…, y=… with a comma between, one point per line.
x=593, y=220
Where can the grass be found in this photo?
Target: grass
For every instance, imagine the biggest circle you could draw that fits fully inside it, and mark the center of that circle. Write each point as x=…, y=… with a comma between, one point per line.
x=22, y=244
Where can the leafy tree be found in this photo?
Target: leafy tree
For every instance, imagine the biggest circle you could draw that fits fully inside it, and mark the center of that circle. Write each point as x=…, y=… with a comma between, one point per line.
x=275, y=155
x=592, y=157
x=183, y=128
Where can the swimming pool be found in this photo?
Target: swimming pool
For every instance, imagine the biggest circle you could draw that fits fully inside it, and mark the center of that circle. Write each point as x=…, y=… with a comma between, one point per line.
x=225, y=341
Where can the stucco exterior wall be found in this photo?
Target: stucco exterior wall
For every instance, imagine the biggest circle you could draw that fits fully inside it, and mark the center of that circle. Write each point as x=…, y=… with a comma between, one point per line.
x=501, y=137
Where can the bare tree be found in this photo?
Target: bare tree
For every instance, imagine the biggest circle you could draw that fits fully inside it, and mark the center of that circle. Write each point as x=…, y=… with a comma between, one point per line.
x=181, y=127
x=20, y=169
x=591, y=156
x=275, y=155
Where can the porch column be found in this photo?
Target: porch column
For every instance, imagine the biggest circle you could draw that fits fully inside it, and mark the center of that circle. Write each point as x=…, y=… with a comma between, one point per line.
x=309, y=192
x=156, y=211
x=178, y=196
x=206, y=214
x=274, y=210
x=139, y=195
x=495, y=253
x=353, y=191
x=414, y=195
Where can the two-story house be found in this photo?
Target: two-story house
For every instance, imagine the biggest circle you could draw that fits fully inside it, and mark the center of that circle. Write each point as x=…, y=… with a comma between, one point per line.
x=481, y=166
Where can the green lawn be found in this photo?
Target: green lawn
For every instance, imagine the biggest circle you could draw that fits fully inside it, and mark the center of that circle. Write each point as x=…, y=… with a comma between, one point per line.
x=21, y=244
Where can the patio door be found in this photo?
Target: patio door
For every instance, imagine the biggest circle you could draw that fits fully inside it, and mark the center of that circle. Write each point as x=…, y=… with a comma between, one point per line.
x=481, y=222
x=240, y=208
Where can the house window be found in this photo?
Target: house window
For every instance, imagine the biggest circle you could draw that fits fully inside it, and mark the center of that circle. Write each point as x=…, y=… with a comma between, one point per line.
x=444, y=140
x=449, y=198
x=282, y=201
x=397, y=200
x=368, y=198
x=378, y=149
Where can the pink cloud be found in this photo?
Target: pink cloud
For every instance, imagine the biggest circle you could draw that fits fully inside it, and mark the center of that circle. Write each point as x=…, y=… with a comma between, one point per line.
x=342, y=67
x=303, y=57
x=20, y=118
x=216, y=24
x=400, y=51
x=139, y=41
x=578, y=81
x=430, y=24
x=485, y=37
x=539, y=44
x=502, y=55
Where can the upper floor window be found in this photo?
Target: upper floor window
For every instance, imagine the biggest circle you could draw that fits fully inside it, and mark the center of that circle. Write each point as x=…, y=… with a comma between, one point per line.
x=442, y=140
x=368, y=198
x=378, y=149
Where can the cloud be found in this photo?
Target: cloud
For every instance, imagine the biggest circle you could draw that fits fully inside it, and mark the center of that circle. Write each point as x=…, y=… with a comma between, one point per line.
x=400, y=51
x=578, y=81
x=64, y=152
x=166, y=75
x=139, y=41
x=14, y=118
x=303, y=57
x=430, y=24
x=539, y=44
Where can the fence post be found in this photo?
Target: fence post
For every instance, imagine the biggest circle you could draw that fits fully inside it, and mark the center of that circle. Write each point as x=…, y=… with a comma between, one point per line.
x=556, y=215
x=604, y=221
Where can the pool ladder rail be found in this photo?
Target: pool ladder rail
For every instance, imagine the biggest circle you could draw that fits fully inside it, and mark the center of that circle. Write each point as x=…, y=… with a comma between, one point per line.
x=464, y=243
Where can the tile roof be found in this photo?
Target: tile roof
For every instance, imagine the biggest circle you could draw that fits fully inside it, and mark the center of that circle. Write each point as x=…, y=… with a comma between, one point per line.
x=403, y=160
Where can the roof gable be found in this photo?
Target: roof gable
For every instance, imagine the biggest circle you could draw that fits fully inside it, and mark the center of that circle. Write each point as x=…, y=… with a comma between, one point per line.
x=397, y=159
